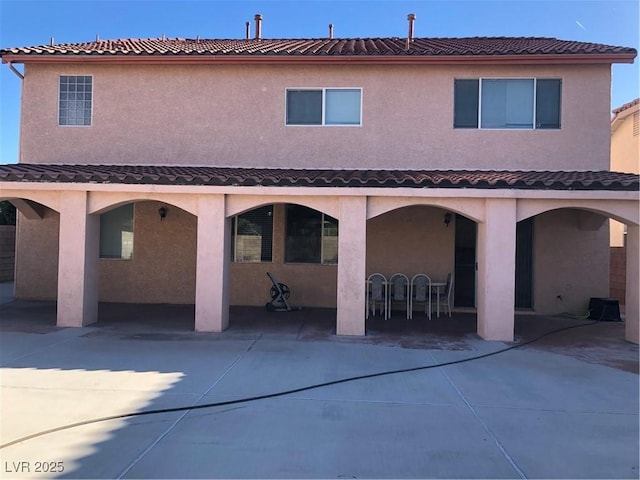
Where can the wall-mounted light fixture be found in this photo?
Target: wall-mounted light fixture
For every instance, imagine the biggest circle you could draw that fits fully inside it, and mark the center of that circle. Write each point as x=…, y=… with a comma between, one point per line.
x=162, y=211
x=447, y=218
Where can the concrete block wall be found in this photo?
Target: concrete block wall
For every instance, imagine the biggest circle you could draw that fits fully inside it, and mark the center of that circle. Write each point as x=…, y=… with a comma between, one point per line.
x=7, y=252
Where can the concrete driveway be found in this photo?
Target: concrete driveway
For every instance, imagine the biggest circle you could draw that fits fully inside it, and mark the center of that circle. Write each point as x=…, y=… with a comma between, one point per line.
x=542, y=411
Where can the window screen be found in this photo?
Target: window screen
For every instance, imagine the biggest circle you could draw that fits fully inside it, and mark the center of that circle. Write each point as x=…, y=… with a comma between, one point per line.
x=311, y=236
x=304, y=107
x=465, y=95
x=548, y=103
x=252, y=235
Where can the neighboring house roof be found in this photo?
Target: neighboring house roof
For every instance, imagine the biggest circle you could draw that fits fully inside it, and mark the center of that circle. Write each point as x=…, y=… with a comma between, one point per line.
x=626, y=106
x=277, y=177
x=502, y=49
x=622, y=112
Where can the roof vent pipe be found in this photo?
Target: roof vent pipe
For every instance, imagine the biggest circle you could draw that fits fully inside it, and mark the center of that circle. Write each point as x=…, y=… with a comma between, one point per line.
x=258, y=19
x=331, y=30
x=51, y=42
x=247, y=27
x=412, y=18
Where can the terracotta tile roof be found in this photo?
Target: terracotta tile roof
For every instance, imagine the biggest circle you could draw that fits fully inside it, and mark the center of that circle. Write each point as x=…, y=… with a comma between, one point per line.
x=626, y=106
x=471, y=46
x=227, y=176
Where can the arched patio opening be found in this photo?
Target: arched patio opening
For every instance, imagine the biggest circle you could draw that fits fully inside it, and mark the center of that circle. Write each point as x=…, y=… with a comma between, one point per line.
x=36, y=247
x=424, y=239
x=147, y=253
x=571, y=263
x=296, y=243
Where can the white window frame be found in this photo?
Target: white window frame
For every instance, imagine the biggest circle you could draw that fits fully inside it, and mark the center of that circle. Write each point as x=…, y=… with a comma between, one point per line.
x=324, y=98
x=92, y=98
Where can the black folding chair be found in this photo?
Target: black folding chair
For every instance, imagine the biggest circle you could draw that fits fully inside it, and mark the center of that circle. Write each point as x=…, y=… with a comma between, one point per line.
x=279, y=294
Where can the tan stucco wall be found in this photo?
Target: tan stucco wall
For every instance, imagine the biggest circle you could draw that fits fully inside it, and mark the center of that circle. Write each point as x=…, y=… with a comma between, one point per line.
x=234, y=115
x=411, y=240
x=625, y=147
x=625, y=157
x=162, y=269
x=570, y=260
x=37, y=257
x=310, y=285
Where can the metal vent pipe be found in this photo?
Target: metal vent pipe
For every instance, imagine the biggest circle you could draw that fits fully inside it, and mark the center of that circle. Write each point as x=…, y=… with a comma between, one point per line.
x=258, y=19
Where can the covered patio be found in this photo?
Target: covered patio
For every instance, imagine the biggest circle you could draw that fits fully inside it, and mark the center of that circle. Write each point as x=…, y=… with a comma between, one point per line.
x=212, y=196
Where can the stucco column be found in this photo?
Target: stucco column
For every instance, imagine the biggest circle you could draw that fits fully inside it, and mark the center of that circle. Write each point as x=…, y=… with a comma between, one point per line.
x=496, y=270
x=632, y=294
x=78, y=264
x=352, y=254
x=212, y=289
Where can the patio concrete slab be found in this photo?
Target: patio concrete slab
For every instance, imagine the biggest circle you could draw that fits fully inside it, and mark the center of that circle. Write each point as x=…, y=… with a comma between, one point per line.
x=287, y=438
x=530, y=379
x=546, y=443
x=548, y=410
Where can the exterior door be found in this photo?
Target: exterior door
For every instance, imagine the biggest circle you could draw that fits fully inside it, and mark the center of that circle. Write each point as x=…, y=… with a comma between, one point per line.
x=464, y=280
x=524, y=264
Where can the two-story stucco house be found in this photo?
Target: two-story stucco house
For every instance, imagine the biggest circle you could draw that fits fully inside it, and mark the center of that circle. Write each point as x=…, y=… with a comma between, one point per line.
x=182, y=170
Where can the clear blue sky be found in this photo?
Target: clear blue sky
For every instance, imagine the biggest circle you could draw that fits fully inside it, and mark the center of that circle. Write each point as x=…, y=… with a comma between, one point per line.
x=29, y=23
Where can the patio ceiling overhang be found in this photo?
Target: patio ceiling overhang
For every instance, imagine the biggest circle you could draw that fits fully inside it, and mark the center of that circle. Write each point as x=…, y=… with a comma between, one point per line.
x=287, y=177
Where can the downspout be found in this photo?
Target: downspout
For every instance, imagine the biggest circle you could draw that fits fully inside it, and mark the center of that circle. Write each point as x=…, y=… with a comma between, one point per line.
x=21, y=77
x=15, y=70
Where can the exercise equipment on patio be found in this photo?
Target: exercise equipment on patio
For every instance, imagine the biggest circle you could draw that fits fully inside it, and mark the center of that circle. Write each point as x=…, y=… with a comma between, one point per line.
x=279, y=293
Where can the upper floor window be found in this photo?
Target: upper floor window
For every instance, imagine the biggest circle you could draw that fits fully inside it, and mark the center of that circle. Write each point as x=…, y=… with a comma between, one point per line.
x=75, y=100
x=324, y=106
x=511, y=103
x=252, y=235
